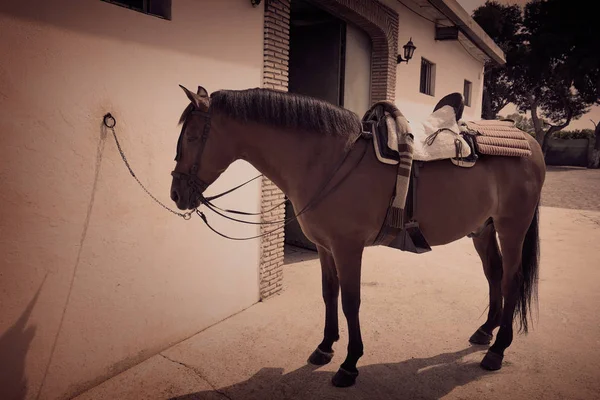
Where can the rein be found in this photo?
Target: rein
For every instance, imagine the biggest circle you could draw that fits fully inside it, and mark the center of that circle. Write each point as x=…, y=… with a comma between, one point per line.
x=313, y=202
x=198, y=186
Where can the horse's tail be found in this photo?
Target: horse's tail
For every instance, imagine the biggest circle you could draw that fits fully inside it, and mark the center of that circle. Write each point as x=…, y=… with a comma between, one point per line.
x=530, y=258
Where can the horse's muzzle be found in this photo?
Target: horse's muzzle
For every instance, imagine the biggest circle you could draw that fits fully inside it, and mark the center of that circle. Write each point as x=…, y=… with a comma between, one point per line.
x=186, y=190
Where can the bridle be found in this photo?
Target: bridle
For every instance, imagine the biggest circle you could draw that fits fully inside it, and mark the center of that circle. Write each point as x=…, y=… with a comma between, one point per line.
x=197, y=185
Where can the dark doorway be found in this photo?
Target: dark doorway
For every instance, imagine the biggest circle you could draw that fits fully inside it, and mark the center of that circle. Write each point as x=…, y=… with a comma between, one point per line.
x=317, y=42
x=316, y=68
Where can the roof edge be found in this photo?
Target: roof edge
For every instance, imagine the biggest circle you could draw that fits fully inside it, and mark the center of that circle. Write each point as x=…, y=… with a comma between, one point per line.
x=470, y=28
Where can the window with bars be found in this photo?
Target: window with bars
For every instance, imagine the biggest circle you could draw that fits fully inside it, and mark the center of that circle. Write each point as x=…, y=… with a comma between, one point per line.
x=427, y=77
x=467, y=93
x=157, y=8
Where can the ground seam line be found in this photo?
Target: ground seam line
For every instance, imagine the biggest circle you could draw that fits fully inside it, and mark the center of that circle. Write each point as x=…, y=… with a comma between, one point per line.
x=196, y=372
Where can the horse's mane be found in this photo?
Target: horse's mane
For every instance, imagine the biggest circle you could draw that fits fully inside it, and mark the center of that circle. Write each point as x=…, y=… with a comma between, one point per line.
x=284, y=110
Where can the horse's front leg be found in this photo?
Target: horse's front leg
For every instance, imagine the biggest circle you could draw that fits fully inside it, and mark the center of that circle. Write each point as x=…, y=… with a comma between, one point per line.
x=348, y=264
x=331, y=290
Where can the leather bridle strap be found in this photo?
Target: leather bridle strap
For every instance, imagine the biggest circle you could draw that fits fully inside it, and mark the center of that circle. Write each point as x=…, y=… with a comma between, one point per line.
x=197, y=185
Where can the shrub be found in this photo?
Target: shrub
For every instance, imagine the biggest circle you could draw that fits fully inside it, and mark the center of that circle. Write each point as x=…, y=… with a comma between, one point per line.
x=574, y=134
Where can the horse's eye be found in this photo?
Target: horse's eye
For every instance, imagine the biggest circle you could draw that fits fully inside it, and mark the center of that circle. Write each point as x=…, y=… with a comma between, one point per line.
x=192, y=138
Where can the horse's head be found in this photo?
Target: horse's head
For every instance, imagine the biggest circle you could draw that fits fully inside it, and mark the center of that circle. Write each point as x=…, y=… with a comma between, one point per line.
x=202, y=154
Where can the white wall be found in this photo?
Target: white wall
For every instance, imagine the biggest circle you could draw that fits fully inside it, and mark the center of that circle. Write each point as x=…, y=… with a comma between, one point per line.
x=119, y=278
x=453, y=65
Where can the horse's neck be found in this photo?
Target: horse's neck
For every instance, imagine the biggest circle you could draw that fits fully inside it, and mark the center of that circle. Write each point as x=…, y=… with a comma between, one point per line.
x=297, y=162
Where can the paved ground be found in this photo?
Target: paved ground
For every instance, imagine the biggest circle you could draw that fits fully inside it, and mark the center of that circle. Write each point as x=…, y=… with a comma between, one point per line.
x=572, y=187
x=417, y=314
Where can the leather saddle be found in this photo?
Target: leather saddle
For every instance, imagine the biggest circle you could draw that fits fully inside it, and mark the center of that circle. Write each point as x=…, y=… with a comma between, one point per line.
x=382, y=129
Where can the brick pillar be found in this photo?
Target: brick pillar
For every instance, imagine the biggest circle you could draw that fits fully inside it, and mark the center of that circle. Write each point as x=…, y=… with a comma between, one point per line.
x=381, y=23
x=275, y=76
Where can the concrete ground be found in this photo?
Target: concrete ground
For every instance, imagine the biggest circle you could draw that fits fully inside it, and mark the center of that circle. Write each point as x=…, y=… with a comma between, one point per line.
x=572, y=187
x=417, y=314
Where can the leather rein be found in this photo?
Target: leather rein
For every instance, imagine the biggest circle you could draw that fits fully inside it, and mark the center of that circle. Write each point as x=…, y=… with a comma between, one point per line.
x=198, y=186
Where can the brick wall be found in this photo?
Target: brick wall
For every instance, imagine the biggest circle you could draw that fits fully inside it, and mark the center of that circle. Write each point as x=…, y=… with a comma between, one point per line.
x=381, y=23
x=275, y=76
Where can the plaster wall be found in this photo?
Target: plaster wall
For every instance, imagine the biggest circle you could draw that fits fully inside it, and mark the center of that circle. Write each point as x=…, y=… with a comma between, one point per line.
x=453, y=64
x=95, y=277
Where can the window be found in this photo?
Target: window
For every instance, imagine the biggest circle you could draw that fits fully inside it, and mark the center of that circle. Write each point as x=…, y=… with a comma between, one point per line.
x=158, y=8
x=427, y=77
x=467, y=93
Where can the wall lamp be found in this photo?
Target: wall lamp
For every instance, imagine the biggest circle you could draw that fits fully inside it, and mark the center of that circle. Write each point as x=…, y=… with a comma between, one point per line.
x=409, y=50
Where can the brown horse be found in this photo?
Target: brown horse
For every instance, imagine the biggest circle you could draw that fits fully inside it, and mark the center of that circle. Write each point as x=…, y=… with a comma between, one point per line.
x=298, y=141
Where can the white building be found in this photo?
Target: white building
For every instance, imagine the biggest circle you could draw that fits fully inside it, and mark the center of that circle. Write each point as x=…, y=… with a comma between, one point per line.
x=95, y=277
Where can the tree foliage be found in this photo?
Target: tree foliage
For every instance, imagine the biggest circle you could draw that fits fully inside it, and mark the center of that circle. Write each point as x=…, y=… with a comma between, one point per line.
x=553, y=62
x=502, y=23
x=524, y=123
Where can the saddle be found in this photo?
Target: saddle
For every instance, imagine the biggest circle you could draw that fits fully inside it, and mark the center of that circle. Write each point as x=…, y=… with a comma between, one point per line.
x=393, y=143
x=436, y=138
x=379, y=124
x=443, y=135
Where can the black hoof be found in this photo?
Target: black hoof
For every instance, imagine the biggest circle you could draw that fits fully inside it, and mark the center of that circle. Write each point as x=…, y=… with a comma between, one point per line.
x=481, y=337
x=319, y=357
x=492, y=361
x=344, y=378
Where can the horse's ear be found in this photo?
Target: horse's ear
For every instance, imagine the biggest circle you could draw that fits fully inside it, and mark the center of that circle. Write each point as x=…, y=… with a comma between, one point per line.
x=454, y=100
x=199, y=101
x=202, y=92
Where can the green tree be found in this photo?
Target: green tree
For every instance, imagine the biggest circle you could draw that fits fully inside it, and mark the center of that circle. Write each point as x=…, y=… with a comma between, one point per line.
x=502, y=23
x=524, y=123
x=553, y=62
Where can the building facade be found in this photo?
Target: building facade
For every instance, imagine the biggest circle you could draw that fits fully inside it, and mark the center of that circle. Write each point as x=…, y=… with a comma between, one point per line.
x=95, y=276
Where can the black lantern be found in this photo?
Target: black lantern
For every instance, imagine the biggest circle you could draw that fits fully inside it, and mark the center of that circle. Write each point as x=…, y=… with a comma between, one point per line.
x=409, y=50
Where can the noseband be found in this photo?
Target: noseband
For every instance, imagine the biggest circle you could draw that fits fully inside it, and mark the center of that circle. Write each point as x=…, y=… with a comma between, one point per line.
x=197, y=185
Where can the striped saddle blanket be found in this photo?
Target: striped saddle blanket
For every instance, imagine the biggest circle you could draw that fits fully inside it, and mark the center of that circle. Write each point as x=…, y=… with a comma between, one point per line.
x=497, y=137
x=393, y=142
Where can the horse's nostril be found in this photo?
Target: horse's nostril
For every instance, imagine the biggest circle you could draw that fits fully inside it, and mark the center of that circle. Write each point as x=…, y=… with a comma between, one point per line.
x=174, y=196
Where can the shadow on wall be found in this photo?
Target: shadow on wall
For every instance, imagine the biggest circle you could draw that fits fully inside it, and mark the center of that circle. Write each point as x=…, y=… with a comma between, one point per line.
x=14, y=345
x=188, y=32
x=417, y=378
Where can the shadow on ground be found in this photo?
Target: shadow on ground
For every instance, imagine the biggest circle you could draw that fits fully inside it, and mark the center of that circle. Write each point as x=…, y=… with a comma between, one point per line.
x=417, y=378
x=293, y=254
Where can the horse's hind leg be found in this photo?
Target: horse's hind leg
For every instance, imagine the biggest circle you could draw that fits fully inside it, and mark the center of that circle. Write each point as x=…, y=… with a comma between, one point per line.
x=331, y=289
x=487, y=248
x=519, y=241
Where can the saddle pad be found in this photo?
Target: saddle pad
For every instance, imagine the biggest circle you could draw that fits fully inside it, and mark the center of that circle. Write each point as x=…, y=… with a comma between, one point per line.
x=498, y=138
x=438, y=137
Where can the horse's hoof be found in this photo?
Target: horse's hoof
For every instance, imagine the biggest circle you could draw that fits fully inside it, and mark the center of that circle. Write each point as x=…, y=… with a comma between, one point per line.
x=319, y=357
x=481, y=337
x=492, y=361
x=344, y=378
